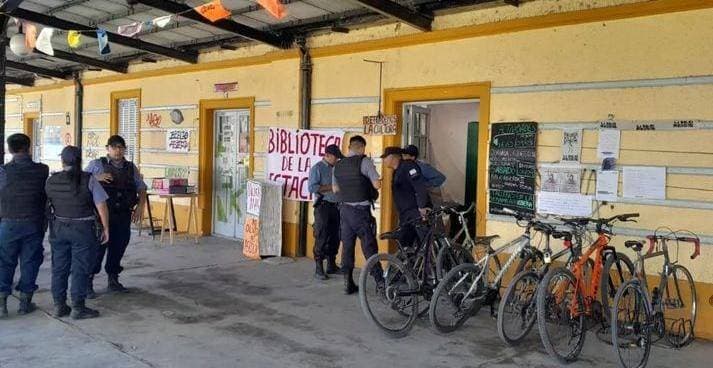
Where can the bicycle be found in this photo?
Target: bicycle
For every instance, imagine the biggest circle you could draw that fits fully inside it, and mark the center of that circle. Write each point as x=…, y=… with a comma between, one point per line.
x=469, y=286
x=456, y=251
x=392, y=301
x=669, y=311
x=566, y=299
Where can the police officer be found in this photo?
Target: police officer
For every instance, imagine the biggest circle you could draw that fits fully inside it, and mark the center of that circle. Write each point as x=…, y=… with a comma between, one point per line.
x=326, y=213
x=434, y=178
x=22, y=228
x=356, y=183
x=410, y=192
x=75, y=197
x=122, y=182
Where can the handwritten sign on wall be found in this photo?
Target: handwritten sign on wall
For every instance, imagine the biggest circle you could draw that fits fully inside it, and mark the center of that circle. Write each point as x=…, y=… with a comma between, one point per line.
x=178, y=140
x=251, y=241
x=254, y=196
x=290, y=155
x=380, y=124
x=513, y=167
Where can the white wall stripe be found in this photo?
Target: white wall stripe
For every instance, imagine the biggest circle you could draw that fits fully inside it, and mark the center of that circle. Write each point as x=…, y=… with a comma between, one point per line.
x=53, y=114
x=346, y=100
x=703, y=171
x=162, y=166
x=263, y=103
x=13, y=115
x=156, y=150
x=620, y=84
x=87, y=130
x=167, y=129
x=169, y=107
x=96, y=112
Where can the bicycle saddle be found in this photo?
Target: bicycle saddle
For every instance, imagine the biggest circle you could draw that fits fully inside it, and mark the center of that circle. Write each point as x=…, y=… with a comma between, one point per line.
x=485, y=239
x=389, y=235
x=634, y=244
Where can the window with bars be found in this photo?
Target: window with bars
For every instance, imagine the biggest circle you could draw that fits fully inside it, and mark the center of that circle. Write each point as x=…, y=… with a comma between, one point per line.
x=129, y=126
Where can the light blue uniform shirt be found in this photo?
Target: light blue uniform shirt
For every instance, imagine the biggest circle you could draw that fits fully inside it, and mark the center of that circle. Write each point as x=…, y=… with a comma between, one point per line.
x=321, y=174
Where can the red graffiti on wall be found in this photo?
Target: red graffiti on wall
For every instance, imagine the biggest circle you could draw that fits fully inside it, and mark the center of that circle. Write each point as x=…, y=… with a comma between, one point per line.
x=154, y=120
x=67, y=139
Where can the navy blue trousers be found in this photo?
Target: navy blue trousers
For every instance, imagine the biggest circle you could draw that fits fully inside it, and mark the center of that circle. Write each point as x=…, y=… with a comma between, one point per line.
x=20, y=242
x=74, y=248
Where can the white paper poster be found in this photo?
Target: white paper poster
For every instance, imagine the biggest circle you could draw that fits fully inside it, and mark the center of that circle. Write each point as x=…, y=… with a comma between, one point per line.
x=564, y=204
x=560, y=179
x=290, y=155
x=609, y=140
x=607, y=185
x=645, y=182
x=571, y=145
x=254, y=196
x=178, y=140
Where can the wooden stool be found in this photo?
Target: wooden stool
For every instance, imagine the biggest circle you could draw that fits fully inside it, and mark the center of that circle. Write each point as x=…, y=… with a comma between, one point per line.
x=170, y=217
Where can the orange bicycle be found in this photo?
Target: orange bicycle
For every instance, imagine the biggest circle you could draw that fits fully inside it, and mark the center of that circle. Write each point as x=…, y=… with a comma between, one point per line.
x=567, y=305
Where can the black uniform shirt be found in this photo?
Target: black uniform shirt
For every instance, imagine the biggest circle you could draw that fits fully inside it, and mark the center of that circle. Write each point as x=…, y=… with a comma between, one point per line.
x=410, y=189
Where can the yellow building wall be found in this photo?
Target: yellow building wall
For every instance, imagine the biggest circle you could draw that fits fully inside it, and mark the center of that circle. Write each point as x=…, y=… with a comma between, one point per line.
x=552, y=48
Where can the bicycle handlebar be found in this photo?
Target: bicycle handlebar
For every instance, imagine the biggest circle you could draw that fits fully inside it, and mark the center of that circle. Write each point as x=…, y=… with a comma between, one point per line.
x=688, y=239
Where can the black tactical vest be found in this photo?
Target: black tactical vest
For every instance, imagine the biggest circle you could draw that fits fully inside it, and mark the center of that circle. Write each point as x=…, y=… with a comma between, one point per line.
x=65, y=201
x=353, y=186
x=24, y=192
x=122, y=192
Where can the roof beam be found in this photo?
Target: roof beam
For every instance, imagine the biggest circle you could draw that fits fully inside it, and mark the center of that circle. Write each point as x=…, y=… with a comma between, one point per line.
x=37, y=70
x=229, y=25
x=187, y=56
x=23, y=81
x=400, y=12
x=81, y=59
x=65, y=6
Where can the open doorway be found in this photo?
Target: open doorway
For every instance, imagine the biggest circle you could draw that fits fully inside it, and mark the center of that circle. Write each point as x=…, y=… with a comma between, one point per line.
x=31, y=128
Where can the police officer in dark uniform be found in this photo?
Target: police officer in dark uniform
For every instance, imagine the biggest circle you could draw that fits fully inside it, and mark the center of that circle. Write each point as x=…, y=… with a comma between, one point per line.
x=326, y=213
x=410, y=192
x=22, y=224
x=75, y=197
x=127, y=195
x=356, y=183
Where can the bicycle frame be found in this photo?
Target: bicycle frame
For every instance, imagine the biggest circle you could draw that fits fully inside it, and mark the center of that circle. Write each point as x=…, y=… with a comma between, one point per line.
x=520, y=243
x=600, y=246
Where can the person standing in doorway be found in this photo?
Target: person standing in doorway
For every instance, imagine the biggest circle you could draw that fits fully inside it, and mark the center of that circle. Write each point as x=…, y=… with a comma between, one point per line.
x=356, y=183
x=127, y=196
x=434, y=179
x=326, y=213
x=410, y=193
x=75, y=197
x=23, y=224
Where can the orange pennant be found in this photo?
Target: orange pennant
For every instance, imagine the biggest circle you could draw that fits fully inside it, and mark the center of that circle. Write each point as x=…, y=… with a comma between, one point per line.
x=274, y=7
x=213, y=11
x=30, y=35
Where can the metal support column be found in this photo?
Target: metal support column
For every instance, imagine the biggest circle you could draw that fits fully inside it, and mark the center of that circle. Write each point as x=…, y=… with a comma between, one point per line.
x=305, y=119
x=3, y=47
x=78, y=110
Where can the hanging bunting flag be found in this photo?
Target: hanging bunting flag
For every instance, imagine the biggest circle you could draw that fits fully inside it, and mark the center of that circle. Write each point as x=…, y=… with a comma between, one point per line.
x=147, y=26
x=274, y=7
x=103, y=40
x=130, y=30
x=30, y=35
x=74, y=39
x=44, y=41
x=162, y=21
x=213, y=11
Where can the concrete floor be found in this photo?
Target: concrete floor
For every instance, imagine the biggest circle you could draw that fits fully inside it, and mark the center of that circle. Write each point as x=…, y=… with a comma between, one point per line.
x=207, y=306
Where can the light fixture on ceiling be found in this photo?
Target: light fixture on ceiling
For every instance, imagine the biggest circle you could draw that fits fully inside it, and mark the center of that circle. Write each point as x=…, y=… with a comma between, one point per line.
x=17, y=43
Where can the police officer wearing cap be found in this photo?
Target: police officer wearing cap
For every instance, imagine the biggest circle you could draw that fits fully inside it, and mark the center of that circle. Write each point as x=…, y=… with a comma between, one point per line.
x=22, y=228
x=326, y=213
x=127, y=196
x=434, y=178
x=75, y=198
x=356, y=183
x=410, y=193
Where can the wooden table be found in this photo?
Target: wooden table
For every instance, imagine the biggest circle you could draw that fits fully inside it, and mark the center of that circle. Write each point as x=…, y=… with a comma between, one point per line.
x=170, y=217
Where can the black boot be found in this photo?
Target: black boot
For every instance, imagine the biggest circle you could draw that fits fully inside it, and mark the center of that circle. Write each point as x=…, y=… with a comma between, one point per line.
x=80, y=311
x=319, y=271
x=91, y=294
x=115, y=285
x=349, y=285
x=332, y=268
x=26, y=304
x=3, y=306
x=61, y=309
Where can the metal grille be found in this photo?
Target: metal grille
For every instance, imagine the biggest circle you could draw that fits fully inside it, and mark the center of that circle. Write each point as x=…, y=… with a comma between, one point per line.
x=129, y=127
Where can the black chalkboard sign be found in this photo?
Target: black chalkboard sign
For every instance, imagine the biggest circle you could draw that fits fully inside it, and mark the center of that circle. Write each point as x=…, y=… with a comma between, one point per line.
x=513, y=167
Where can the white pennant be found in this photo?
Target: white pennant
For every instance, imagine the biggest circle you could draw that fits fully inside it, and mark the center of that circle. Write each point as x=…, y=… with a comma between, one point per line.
x=162, y=21
x=44, y=41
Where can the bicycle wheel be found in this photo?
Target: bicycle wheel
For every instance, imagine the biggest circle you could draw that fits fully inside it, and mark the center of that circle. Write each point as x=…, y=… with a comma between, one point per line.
x=617, y=270
x=517, y=311
x=631, y=326
x=449, y=257
x=452, y=303
x=561, y=331
x=391, y=305
x=679, y=306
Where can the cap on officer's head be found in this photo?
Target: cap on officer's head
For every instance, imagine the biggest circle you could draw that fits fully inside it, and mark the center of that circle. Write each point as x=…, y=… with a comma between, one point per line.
x=334, y=150
x=116, y=140
x=388, y=151
x=71, y=155
x=411, y=150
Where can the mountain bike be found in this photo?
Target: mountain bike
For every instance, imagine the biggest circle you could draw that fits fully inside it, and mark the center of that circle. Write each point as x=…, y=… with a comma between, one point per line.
x=469, y=286
x=391, y=301
x=669, y=312
x=567, y=304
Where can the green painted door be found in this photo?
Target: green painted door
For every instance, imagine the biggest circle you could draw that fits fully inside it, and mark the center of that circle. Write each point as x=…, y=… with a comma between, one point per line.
x=471, y=171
